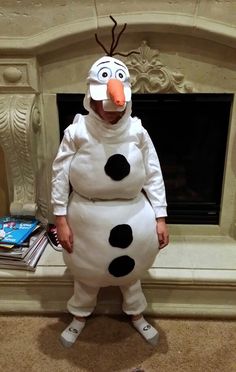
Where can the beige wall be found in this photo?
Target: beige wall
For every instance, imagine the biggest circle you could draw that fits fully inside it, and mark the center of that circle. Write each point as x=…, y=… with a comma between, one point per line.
x=4, y=200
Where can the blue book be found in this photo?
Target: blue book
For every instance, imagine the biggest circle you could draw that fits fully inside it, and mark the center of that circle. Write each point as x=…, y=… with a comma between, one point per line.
x=15, y=230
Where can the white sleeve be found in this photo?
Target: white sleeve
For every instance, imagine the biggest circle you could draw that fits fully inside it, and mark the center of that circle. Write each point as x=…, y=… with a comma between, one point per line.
x=154, y=186
x=60, y=173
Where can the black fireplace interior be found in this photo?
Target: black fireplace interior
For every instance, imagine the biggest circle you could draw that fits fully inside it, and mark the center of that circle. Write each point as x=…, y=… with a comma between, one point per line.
x=189, y=132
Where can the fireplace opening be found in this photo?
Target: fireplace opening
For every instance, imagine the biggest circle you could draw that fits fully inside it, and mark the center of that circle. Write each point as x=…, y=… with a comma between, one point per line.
x=189, y=132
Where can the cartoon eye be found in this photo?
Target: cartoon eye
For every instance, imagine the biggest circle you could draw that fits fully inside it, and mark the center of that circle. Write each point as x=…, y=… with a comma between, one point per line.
x=121, y=75
x=104, y=74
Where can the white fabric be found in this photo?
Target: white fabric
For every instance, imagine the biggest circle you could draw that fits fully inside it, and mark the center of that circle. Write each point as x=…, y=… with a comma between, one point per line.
x=91, y=223
x=78, y=136
x=108, y=105
x=98, y=203
x=84, y=299
x=134, y=301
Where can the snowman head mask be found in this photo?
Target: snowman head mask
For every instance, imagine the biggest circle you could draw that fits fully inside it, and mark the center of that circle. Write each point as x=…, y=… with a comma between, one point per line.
x=109, y=82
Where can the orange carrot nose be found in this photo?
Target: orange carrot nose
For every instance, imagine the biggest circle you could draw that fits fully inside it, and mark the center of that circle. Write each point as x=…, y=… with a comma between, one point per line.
x=115, y=90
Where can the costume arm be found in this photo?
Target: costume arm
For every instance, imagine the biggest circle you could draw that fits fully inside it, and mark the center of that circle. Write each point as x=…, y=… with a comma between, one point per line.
x=60, y=173
x=154, y=185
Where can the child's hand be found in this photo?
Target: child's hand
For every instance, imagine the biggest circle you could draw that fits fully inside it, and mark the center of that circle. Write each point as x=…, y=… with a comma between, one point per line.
x=162, y=232
x=64, y=233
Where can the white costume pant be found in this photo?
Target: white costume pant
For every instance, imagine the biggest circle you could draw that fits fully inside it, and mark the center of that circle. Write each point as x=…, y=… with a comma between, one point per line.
x=84, y=300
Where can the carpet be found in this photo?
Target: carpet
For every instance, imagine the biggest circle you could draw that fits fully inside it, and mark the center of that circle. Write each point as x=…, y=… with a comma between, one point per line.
x=111, y=344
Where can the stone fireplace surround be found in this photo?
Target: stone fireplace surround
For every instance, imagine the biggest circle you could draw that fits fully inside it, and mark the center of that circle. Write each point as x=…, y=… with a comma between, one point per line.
x=182, y=52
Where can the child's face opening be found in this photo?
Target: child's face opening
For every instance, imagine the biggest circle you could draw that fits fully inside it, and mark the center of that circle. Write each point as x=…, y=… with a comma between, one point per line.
x=111, y=117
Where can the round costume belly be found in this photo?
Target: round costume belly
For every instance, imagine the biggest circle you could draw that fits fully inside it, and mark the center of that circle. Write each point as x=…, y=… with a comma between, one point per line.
x=114, y=241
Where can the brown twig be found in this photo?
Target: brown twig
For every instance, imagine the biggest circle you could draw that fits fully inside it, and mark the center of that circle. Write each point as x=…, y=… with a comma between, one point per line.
x=103, y=47
x=115, y=41
x=118, y=38
x=125, y=54
x=113, y=34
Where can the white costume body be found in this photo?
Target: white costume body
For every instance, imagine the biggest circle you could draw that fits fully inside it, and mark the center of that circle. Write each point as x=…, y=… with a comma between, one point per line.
x=99, y=203
x=112, y=221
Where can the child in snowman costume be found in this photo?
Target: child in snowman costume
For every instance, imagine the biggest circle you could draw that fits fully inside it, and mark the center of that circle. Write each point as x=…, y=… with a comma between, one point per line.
x=112, y=224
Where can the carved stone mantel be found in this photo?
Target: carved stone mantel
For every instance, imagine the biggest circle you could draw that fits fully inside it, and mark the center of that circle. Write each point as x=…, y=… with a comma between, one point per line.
x=149, y=75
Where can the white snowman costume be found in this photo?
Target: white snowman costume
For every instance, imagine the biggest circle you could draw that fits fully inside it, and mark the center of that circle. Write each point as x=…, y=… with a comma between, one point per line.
x=118, y=192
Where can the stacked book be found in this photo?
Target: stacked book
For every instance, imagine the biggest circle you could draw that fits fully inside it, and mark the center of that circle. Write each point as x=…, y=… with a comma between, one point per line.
x=22, y=242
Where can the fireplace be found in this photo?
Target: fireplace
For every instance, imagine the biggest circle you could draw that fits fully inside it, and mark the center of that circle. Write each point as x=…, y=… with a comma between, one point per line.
x=186, y=48
x=189, y=132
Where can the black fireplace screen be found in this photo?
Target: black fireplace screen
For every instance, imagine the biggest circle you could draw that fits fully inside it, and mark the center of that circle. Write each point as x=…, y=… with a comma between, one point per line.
x=189, y=132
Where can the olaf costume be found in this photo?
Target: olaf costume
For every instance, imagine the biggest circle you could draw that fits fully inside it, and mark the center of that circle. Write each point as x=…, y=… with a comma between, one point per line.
x=118, y=192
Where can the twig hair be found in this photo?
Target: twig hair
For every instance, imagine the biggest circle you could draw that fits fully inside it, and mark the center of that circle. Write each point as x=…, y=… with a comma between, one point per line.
x=115, y=41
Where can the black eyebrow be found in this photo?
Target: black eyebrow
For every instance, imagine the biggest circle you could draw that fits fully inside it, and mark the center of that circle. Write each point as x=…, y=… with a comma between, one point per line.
x=110, y=62
x=103, y=62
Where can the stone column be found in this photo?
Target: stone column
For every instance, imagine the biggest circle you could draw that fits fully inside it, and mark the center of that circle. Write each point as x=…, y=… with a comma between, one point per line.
x=20, y=134
x=17, y=119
